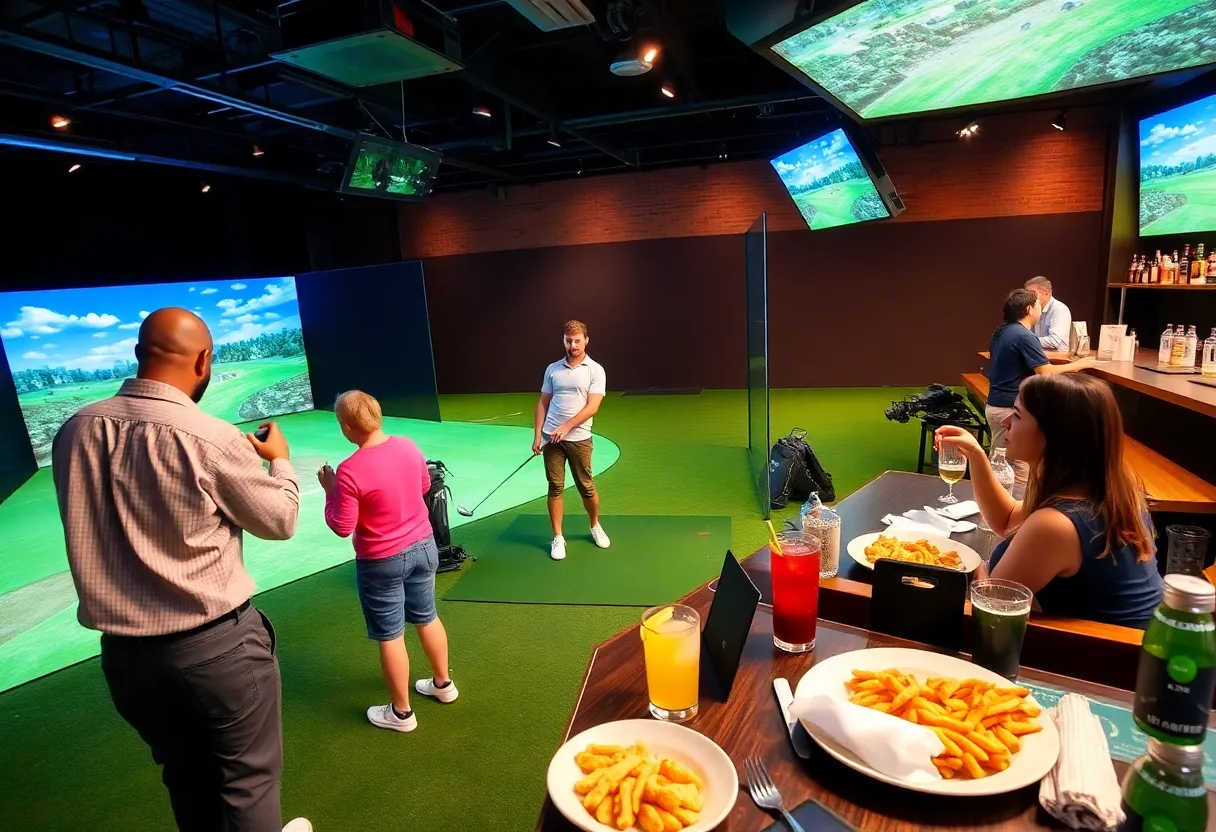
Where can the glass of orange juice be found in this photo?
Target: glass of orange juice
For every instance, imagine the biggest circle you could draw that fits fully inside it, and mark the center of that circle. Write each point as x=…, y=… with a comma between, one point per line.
x=671, y=641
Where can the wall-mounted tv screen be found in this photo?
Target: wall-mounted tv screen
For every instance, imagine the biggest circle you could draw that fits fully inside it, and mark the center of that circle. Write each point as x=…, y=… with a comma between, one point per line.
x=1178, y=169
x=391, y=170
x=829, y=184
x=71, y=347
x=896, y=57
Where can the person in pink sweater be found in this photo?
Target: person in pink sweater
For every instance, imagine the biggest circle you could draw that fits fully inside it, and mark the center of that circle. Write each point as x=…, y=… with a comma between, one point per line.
x=377, y=495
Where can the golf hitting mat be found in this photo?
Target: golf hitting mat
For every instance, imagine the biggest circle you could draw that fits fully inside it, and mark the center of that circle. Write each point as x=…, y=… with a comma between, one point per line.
x=652, y=560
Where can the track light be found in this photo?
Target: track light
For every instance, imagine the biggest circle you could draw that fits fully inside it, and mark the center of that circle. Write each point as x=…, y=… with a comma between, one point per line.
x=74, y=168
x=1060, y=122
x=484, y=112
x=668, y=90
x=553, y=142
x=972, y=128
x=258, y=151
x=60, y=122
x=553, y=137
x=206, y=188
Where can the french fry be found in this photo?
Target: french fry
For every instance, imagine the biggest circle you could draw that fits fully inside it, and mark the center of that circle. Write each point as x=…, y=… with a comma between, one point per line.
x=1019, y=692
x=610, y=780
x=605, y=750
x=1011, y=703
x=1011, y=742
x=1020, y=729
x=677, y=773
x=670, y=822
x=948, y=762
x=997, y=763
x=989, y=744
x=625, y=820
x=920, y=703
x=972, y=767
x=639, y=788
x=649, y=820
x=944, y=722
x=866, y=674
x=967, y=745
x=589, y=762
x=905, y=696
x=585, y=785
x=603, y=812
x=952, y=747
x=687, y=816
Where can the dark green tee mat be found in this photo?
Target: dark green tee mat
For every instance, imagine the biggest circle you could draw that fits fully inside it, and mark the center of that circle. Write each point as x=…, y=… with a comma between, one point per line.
x=653, y=560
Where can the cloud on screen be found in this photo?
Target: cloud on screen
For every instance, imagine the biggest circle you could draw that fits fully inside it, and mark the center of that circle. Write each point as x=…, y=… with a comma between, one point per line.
x=103, y=356
x=37, y=319
x=237, y=287
x=34, y=356
x=253, y=330
x=1160, y=134
x=275, y=294
x=815, y=160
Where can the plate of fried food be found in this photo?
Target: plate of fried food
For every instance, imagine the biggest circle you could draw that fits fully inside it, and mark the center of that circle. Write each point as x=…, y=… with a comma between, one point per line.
x=996, y=737
x=642, y=774
x=913, y=547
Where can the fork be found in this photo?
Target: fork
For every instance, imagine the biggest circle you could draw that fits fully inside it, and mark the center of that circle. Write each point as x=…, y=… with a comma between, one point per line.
x=764, y=792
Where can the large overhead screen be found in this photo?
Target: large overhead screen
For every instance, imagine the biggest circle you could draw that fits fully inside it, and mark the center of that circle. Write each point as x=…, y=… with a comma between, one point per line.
x=1178, y=170
x=883, y=58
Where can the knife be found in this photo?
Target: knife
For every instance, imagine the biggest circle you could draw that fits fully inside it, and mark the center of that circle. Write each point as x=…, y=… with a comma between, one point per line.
x=798, y=735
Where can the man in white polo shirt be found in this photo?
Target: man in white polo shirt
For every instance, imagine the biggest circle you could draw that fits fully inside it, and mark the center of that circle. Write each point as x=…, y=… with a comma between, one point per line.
x=569, y=397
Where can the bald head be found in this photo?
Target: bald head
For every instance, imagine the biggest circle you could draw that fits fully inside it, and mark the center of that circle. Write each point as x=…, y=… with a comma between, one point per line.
x=175, y=347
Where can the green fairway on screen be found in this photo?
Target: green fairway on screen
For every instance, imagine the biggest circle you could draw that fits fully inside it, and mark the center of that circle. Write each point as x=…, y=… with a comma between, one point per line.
x=68, y=348
x=1178, y=170
x=829, y=184
x=895, y=57
x=392, y=169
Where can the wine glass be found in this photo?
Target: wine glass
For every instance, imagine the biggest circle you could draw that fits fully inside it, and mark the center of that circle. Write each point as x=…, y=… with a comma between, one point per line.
x=951, y=466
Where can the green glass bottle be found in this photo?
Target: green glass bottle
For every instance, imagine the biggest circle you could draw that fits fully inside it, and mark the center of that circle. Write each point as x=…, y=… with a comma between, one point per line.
x=1177, y=672
x=1163, y=791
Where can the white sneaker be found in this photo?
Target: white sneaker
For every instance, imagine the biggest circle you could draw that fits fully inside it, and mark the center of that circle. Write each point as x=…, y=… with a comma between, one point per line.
x=382, y=716
x=426, y=687
x=557, y=549
x=298, y=825
x=600, y=536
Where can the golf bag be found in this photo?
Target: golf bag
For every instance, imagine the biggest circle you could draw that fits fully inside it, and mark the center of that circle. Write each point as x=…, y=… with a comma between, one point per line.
x=437, y=499
x=794, y=471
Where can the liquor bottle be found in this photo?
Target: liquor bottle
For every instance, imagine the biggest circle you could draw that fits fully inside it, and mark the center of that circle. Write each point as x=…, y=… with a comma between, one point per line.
x=1209, y=355
x=1184, y=265
x=1167, y=346
x=1155, y=273
x=1164, y=789
x=1212, y=264
x=1192, y=346
x=1143, y=268
x=1178, y=346
x=1174, y=268
x=1131, y=333
x=1199, y=267
x=1131, y=270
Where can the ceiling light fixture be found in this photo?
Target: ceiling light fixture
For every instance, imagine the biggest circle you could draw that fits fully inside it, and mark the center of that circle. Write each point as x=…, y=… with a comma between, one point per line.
x=258, y=151
x=668, y=90
x=206, y=188
x=60, y=122
x=972, y=128
x=74, y=168
x=651, y=54
x=553, y=137
x=1060, y=122
x=634, y=61
x=484, y=112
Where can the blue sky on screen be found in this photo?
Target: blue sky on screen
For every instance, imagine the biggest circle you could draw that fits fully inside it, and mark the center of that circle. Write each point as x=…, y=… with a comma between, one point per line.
x=815, y=159
x=92, y=328
x=1179, y=135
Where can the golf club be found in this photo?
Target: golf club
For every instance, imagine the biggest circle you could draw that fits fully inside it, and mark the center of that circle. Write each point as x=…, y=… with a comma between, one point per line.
x=464, y=512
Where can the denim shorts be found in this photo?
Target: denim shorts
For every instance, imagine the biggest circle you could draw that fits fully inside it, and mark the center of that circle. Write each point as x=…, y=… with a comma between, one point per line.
x=398, y=590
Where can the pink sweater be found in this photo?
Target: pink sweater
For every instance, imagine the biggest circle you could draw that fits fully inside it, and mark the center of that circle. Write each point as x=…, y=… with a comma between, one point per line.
x=379, y=498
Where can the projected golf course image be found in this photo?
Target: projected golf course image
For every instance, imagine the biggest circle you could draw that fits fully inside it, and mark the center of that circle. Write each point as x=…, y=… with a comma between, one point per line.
x=828, y=183
x=70, y=347
x=895, y=57
x=1178, y=170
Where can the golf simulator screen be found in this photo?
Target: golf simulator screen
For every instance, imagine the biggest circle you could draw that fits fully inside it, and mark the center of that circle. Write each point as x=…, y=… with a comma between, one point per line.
x=1178, y=170
x=897, y=57
x=70, y=347
x=829, y=184
x=391, y=170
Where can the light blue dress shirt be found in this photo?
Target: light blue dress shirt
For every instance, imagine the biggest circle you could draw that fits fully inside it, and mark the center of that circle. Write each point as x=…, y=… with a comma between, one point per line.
x=1053, y=328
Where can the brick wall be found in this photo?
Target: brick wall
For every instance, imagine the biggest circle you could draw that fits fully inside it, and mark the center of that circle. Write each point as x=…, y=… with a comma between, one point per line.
x=1018, y=166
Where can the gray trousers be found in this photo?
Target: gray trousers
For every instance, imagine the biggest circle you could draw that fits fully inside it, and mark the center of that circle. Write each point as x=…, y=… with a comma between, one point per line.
x=996, y=417
x=207, y=703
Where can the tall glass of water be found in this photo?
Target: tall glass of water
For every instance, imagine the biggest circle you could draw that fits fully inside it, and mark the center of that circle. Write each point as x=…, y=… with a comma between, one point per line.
x=951, y=467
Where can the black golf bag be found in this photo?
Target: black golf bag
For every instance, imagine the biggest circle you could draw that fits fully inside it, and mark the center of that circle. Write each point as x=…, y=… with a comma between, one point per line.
x=438, y=499
x=794, y=472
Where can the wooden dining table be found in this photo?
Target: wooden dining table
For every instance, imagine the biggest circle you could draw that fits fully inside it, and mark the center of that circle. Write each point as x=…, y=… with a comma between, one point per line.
x=748, y=723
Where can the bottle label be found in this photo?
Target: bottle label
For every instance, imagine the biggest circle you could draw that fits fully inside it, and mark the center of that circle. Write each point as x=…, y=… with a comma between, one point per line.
x=1208, y=625
x=1160, y=785
x=1173, y=695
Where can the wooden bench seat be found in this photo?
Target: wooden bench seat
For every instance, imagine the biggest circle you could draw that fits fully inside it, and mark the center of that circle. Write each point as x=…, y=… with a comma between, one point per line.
x=1169, y=486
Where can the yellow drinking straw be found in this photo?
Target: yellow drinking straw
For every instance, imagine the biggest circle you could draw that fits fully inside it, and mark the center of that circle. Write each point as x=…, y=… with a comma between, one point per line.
x=772, y=537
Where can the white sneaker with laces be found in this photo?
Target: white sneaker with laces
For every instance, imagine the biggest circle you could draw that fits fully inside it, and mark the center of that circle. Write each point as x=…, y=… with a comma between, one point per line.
x=600, y=536
x=557, y=549
x=382, y=716
x=298, y=825
x=445, y=694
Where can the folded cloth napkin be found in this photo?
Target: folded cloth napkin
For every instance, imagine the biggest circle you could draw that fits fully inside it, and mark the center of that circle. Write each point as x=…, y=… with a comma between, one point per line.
x=1082, y=790
x=958, y=511
x=888, y=744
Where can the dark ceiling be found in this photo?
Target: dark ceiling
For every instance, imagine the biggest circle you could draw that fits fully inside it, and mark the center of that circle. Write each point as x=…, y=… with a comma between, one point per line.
x=192, y=83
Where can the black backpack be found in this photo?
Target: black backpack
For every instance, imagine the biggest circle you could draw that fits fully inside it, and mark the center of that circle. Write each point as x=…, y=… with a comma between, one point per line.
x=794, y=472
x=438, y=498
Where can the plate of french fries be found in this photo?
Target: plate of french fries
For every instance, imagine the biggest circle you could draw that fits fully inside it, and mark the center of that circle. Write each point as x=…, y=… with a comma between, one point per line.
x=642, y=774
x=996, y=737
x=913, y=547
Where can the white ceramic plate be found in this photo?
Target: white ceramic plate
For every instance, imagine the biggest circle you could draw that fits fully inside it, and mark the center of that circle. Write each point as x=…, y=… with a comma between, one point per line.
x=1029, y=766
x=970, y=558
x=665, y=739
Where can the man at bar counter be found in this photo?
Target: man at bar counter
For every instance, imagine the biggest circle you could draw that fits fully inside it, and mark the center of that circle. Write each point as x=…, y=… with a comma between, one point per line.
x=1017, y=355
x=1052, y=328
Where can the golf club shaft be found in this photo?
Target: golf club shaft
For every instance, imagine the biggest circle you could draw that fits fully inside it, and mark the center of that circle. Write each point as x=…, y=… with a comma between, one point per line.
x=504, y=482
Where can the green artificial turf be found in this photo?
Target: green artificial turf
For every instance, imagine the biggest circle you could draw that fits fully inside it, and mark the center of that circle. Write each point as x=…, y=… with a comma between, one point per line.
x=479, y=764
x=652, y=560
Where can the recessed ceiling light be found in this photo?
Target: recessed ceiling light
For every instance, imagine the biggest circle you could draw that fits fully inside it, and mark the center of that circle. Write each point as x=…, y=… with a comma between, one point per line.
x=257, y=150
x=1060, y=122
x=60, y=122
x=205, y=188
x=970, y=130
x=74, y=168
x=553, y=142
x=668, y=90
x=484, y=112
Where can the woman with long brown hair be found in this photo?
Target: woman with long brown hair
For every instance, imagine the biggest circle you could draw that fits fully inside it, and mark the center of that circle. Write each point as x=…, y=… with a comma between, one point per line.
x=1083, y=543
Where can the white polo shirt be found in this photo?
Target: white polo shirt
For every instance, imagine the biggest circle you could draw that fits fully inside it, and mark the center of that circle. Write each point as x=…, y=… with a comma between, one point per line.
x=570, y=387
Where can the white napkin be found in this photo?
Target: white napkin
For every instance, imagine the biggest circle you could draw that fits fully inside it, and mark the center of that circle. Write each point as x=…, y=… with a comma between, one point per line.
x=886, y=743
x=904, y=523
x=957, y=511
x=1082, y=790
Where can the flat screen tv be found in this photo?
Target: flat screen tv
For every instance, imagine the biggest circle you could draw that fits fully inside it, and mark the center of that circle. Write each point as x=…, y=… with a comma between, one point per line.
x=1178, y=170
x=829, y=183
x=68, y=348
x=391, y=170
x=882, y=58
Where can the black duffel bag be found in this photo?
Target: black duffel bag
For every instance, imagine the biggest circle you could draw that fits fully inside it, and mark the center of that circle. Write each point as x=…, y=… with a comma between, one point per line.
x=795, y=471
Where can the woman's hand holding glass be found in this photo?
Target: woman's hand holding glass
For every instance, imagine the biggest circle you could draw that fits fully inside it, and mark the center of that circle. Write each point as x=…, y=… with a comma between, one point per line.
x=959, y=438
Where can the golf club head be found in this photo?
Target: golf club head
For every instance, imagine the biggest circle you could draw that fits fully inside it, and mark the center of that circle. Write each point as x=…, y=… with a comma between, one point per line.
x=463, y=512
